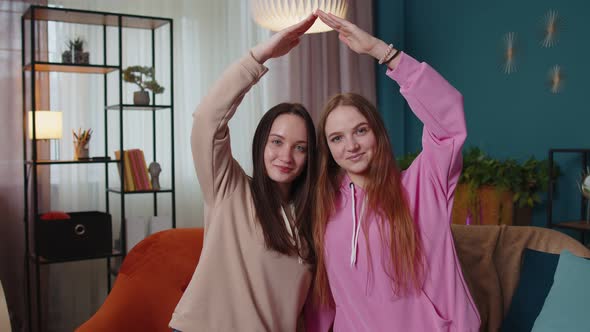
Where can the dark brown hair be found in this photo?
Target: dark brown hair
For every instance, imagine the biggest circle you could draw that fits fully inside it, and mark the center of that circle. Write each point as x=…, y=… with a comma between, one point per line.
x=386, y=197
x=265, y=191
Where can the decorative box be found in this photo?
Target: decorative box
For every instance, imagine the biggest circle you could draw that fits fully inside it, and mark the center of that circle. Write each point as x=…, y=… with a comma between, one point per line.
x=85, y=234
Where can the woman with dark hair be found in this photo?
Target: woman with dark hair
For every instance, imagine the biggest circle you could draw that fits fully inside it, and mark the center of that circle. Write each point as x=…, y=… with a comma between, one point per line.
x=402, y=273
x=254, y=272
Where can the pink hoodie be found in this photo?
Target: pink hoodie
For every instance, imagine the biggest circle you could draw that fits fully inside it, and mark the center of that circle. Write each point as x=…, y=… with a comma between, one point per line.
x=361, y=288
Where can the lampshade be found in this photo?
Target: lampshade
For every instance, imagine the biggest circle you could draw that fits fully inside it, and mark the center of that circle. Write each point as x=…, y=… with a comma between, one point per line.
x=48, y=124
x=276, y=15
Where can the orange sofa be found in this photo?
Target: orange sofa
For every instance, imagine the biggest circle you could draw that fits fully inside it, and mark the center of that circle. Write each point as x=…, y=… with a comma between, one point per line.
x=150, y=283
x=158, y=269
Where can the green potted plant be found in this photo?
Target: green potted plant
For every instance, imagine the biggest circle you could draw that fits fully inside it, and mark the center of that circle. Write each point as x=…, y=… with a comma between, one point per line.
x=492, y=191
x=483, y=195
x=534, y=178
x=143, y=77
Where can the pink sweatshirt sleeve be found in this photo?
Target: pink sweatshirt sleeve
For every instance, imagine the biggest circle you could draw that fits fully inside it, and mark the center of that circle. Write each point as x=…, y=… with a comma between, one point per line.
x=440, y=108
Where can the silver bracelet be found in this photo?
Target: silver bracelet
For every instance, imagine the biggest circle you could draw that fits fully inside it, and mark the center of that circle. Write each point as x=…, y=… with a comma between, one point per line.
x=388, y=60
x=386, y=55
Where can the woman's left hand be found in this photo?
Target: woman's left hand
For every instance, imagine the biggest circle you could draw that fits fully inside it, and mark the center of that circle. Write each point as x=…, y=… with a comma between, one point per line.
x=354, y=37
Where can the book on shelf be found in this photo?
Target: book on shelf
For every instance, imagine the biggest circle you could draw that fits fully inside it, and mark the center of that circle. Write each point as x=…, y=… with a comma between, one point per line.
x=135, y=169
x=141, y=169
x=136, y=176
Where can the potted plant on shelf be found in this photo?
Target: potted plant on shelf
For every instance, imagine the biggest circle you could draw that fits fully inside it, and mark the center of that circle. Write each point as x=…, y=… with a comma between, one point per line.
x=79, y=55
x=66, y=56
x=75, y=52
x=144, y=78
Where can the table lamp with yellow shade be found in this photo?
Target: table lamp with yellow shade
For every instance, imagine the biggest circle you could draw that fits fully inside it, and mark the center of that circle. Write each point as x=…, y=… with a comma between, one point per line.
x=48, y=125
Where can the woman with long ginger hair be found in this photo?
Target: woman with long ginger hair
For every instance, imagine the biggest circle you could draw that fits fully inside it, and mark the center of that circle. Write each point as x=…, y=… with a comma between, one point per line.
x=402, y=273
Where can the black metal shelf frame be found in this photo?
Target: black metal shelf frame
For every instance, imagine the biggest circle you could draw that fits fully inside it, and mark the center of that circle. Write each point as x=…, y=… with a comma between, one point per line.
x=32, y=66
x=131, y=107
x=82, y=161
x=44, y=261
x=578, y=225
x=119, y=191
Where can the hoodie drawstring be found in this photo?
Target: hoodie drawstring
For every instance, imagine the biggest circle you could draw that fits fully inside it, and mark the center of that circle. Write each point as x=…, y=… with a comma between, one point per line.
x=355, y=227
x=288, y=225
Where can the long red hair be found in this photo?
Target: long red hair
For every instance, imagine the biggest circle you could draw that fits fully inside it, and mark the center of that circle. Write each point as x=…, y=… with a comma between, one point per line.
x=386, y=198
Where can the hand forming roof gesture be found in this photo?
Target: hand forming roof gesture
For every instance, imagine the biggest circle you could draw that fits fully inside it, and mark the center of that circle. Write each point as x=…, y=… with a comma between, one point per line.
x=283, y=41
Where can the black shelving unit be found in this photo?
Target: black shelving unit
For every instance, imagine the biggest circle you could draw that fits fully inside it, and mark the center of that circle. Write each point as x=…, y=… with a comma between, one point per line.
x=32, y=66
x=580, y=225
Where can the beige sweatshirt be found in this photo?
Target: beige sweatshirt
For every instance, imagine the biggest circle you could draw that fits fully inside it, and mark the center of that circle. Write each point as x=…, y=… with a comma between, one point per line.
x=239, y=284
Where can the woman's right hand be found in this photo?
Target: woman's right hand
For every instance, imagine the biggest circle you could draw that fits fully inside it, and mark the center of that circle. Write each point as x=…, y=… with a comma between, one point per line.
x=283, y=41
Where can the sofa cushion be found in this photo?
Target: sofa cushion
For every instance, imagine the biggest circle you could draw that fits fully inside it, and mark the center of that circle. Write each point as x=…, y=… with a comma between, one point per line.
x=565, y=307
x=536, y=278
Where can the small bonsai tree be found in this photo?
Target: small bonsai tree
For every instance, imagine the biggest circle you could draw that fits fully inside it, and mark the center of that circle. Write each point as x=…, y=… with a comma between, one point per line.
x=143, y=77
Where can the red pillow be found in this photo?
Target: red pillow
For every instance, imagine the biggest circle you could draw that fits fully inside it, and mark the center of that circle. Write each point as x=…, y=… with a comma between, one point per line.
x=55, y=215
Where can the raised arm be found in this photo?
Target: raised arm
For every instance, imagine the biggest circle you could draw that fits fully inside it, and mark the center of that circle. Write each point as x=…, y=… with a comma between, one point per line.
x=217, y=171
x=440, y=108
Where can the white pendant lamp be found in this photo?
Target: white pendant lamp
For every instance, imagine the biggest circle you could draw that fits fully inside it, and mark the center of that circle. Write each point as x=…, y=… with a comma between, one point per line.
x=276, y=15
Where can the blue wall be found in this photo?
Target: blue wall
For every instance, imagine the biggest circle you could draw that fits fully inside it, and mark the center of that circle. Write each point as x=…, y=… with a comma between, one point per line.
x=508, y=116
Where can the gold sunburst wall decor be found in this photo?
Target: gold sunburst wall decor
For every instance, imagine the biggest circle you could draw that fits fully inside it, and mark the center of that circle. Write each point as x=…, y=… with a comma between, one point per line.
x=556, y=79
x=509, y=53
x=551, y=27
